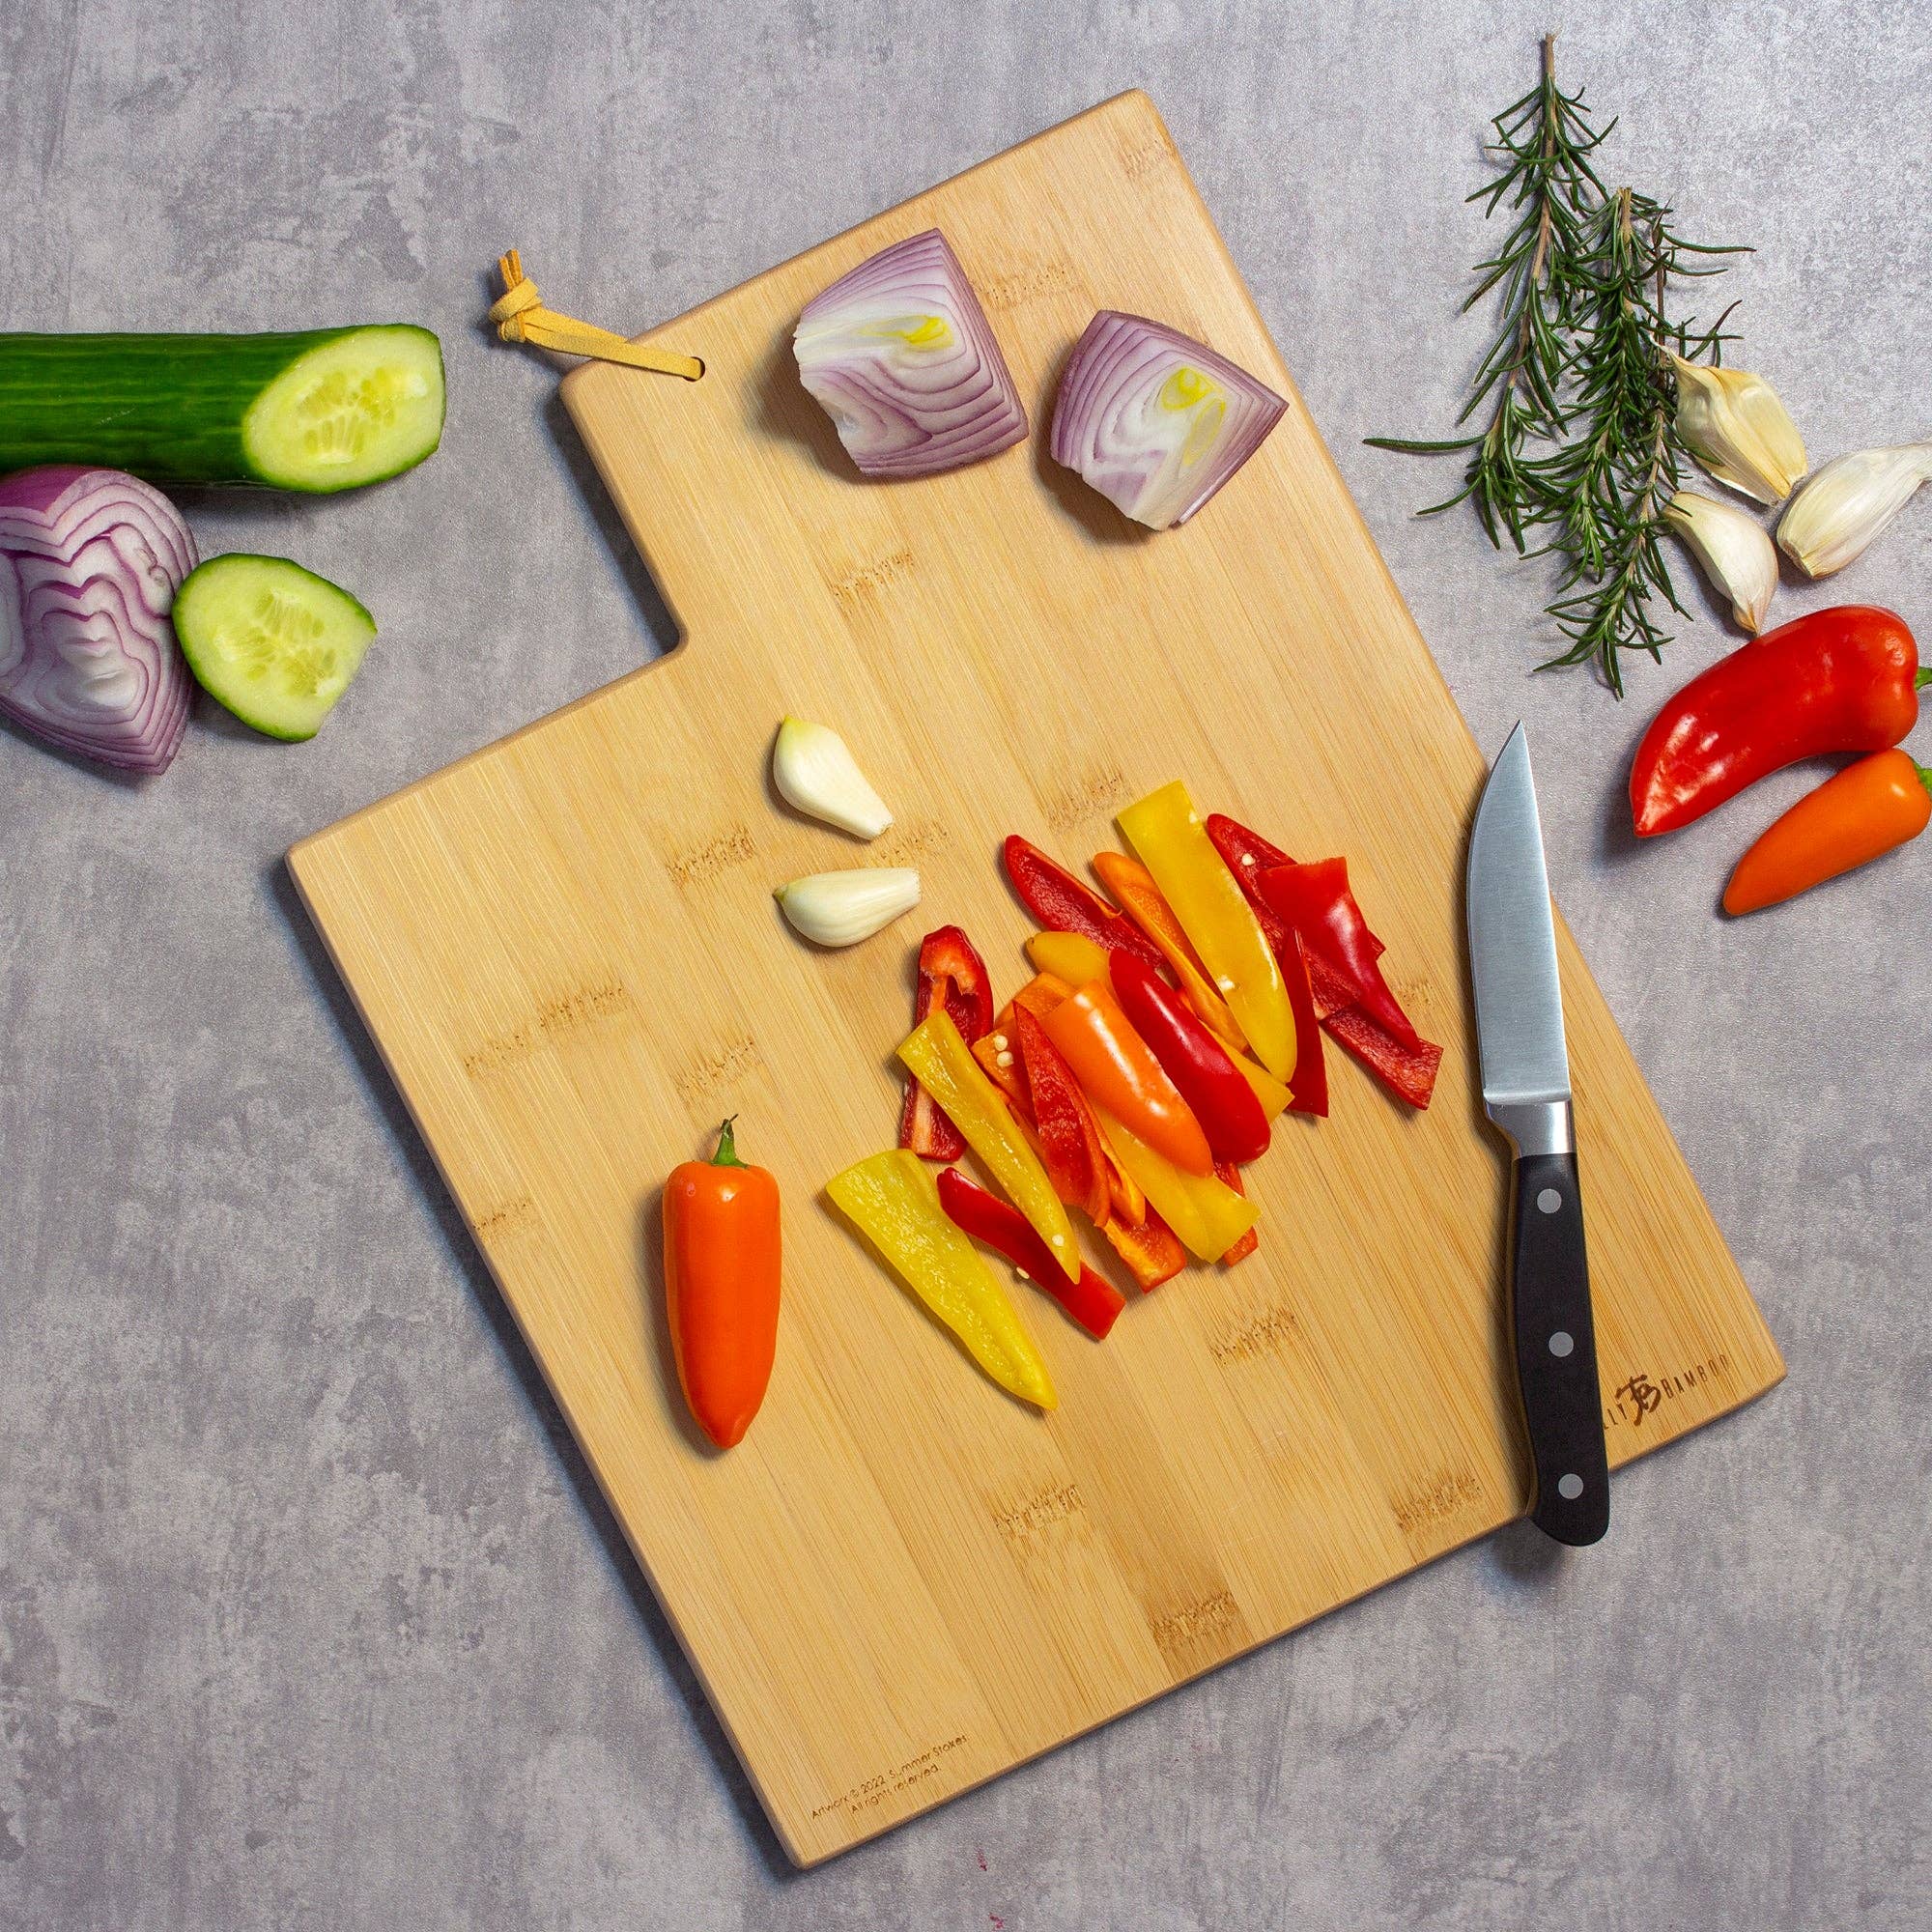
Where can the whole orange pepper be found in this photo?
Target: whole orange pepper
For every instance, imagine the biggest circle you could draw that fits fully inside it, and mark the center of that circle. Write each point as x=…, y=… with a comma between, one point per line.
x=1854, y=817
x=722, y=1265
x=1118, y=1072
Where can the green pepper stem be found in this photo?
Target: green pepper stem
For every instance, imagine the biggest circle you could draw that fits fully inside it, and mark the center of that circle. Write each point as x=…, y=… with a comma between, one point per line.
x=727, y=1155
x=1924, y=777
x=1923, y=678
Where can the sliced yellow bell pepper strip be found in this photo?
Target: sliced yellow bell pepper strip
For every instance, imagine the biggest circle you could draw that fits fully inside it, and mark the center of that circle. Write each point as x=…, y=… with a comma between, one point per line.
x=892, y=1200
x=1142, y=901
x=942, y=1064
x=1067, y=955
x=1165, y=831
x=1073, y=957
x=1269, y=1090
x=1206, y=1213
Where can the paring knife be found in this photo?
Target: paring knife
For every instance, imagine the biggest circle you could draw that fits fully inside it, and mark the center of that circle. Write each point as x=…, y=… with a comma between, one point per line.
x=1526, y=1095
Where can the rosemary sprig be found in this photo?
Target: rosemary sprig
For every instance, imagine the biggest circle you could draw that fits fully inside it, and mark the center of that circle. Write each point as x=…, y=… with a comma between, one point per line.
x=1581, y=441
x=1544, y=143
x=1618, y=465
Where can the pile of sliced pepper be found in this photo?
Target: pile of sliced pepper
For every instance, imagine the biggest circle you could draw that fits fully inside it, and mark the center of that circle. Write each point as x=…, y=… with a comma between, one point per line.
x=1130, y=1078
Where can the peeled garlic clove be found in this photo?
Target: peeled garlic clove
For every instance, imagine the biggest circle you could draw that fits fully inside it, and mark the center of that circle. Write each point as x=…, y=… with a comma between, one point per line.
x=815, y=773
x=1734, y=551
x=1733, y=423
x=1842, y=508
x=842, y=908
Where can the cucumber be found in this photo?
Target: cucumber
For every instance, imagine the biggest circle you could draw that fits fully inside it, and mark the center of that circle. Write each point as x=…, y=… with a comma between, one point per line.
x=324, y=409
x=273, y=642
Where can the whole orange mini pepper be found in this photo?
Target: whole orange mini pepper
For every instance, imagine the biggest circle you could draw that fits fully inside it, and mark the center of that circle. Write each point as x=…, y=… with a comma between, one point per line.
x=721, y=1259
x=1119, y=1073
x=1852, y=817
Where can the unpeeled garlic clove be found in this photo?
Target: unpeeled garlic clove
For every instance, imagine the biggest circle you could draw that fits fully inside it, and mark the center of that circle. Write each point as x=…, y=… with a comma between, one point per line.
x=1733, y=423
x=842, y=908
x=1733, y=550
x=1842, y=508
x=817, y=773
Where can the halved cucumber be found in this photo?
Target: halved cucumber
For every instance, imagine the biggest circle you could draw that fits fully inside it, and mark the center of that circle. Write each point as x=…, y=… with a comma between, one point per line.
x=273, y=642
x=327, y=409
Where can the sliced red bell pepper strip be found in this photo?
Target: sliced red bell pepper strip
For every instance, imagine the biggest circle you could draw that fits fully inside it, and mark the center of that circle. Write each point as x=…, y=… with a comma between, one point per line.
x=1248, y=855
x=1230, y=1176
x=1070, y=1141
x=1092, y=1300
x=1315, y=899
x=1126, y=1203
x=1151, y=1249
x=1308, y=1090
x=1060, y=901
x=1217, y=1093
x=951, y=972
x=1119, y=1075
x=1409, y=1075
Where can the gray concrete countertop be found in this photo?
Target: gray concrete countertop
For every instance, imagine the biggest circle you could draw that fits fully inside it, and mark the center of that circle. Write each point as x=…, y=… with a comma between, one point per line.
x=309, y=1613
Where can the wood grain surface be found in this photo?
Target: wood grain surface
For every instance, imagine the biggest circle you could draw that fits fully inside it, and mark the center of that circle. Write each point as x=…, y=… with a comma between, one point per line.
x=904, y=1583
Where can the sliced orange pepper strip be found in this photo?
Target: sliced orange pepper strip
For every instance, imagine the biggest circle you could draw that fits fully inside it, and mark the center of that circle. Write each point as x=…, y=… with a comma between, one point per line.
x=1118, y=1072
x=1140, y=898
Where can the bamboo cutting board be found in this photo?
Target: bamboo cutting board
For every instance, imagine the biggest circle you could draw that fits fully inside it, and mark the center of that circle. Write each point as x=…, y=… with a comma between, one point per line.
x=904, y=1583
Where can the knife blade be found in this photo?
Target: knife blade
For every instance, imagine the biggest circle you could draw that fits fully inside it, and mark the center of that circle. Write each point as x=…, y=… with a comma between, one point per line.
x=1526, y=1066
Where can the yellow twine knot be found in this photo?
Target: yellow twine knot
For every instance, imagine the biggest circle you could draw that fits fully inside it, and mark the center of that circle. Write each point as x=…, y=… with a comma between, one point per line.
x=519, y=316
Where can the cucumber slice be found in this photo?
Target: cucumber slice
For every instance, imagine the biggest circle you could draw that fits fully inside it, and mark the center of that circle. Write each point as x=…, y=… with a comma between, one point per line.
x=273, y=642
x=324, y=409
x=354, y=410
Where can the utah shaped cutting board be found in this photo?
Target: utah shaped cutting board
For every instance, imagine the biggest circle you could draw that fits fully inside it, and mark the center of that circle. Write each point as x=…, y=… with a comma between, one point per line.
x=903, y=1582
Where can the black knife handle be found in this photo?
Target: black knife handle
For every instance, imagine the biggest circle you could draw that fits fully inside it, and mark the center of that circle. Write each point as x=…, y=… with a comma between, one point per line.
x=1557, y=1350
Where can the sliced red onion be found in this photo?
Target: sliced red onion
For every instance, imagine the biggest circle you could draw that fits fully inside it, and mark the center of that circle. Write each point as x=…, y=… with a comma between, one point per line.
x=90, y=561
x=1155, y=421
x=901, y=356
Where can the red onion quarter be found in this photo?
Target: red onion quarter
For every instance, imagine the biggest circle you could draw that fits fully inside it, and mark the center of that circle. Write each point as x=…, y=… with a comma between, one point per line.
x=90, y=561
x=902, y=358
x=1155, y=421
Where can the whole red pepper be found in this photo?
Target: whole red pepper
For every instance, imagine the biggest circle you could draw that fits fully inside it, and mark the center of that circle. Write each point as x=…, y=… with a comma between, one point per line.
x=951, y=972
x=1093, y=1301
x=1839, y=680
x=1061, y=903
x=1315, y=902
x=1216, y=1090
